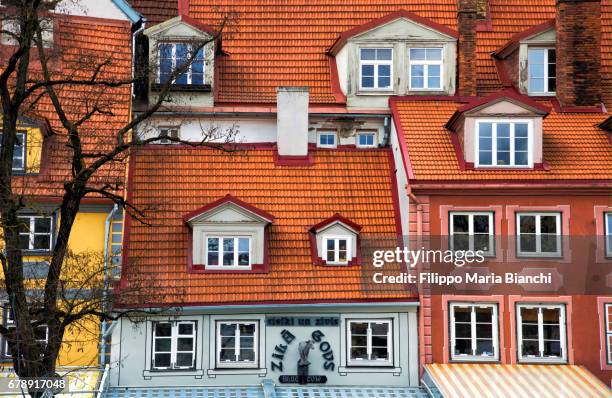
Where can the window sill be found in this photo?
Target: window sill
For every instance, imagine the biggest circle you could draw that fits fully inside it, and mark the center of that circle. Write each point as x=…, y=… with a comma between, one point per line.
x=543, y=361
x=533, y=256
x=375, y=91
x=148, y=374
x=344, y=370
x=200, y=88
x=474, y=360
x=261, y=372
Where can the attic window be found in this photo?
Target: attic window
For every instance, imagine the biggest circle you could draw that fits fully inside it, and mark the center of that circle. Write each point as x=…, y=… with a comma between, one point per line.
x=168, y=135
x=335, y=241
x=337, y=249
x=542, y=70
x=228, y=252
x=426, y=68
x=173, y=56
x=504, y=143
x=375, y=65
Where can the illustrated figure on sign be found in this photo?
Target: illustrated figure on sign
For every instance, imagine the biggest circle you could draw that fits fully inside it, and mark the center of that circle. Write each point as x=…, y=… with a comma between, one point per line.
x=303, y=349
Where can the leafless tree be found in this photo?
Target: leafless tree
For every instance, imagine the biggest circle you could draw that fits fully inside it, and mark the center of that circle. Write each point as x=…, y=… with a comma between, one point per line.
x=81, y=96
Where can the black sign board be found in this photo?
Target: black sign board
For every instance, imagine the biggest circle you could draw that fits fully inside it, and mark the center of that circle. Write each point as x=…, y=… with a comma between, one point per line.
x=295, y=379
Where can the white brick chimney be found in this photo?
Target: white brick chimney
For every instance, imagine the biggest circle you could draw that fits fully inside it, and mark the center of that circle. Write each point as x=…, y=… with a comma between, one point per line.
x=292, y=121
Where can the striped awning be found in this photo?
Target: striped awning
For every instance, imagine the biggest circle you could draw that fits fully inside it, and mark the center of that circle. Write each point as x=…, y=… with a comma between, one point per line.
x=512, y=381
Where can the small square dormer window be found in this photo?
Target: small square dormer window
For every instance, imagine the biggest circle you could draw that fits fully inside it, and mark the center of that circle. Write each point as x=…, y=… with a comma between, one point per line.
x=335, y=241
x=504, y=143
x=168, y=135
x=376, y=68
x=426, y=68
x=337, y=249
x=542, y=70
x=327, y=139
x=173, y=56
x=366, y=139
x=228, y=252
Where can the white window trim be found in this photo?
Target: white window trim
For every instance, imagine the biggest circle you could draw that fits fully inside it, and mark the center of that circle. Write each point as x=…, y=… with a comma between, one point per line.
x=471, y=214
x=22, y=137
x=608, y=234
x=174, y=345
x=495, y=336
x=366, y=132
x=32, y=232
x=358, y=362
x=546, y=90
x=236, y=252
x=426, y=64
x=376, y=63
x=237, y=364
x=9, y=323
x=512, y=123
x=336, y=239
x=538, y=234
x=115, y=255
x=327, y=132
x=607, y=333
x=562, y=333
x=188, y=72
x=170, y=131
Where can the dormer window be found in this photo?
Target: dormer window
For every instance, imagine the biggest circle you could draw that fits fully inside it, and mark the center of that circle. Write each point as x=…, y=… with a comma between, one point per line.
x=425, y=68
x=335, y=241
x=173, y=56
x=503, y=143
x=376, y=68
x=337, y=249
x=542, y=70
x=228, y=252
x=168, y=135
x=326, y=139
x=19, y=151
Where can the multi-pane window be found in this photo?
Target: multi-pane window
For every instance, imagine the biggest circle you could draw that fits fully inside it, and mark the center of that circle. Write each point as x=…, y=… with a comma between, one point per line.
x=503, y=143
x=174, y=345
x=366, y=139
x=375, y=65
x=370, y=342
x=41, y=332
x=337, y=249
x=472, y=231
x=228, y=252
x=608, y=232
x=19, y=151
x=608, y=331
x=474, y=332
x=168, y=133
x=326, y=139
x=237, y=344
x=425, y=68
x=35, y=232
x=173, y=56
x=116, y=241
x=541, y=332
x=542, y=70
x=538, y=234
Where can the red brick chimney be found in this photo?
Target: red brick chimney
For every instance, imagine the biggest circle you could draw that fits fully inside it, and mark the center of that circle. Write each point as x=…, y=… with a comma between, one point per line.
x=467, y=16
x=578, y=24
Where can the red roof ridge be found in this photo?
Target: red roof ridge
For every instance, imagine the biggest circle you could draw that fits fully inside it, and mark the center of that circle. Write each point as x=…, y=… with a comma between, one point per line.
x=344, y=36
x=228, y=199
x=337, y=217
x=503, y=51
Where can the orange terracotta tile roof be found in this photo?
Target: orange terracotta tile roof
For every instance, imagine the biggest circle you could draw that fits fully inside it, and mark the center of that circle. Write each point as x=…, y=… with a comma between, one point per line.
x=284, y=42
x=574, y=147
x=156, y=11
x=356, y=183
x=83, y=42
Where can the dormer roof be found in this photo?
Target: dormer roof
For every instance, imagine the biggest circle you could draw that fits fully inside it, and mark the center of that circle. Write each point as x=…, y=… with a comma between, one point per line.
x=526, y=34
x=231, y=202
x=336, y=219
x=199, y=28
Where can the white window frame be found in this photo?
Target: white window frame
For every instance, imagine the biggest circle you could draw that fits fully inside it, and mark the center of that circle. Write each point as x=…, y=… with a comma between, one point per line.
x=376, y=63
x=22, y=137
x=538, y=234
x=608, y=331
x=189, y=71
x=237, y=364
x=562, y=333
x=370, y=362
x=546, y=76
x=168, y=131
x=366, y=133
x=327, y=132
x=235, y=266
x=471, y=214
x=425, y=63
x=174, y=345
x=32, y=231
x=116, y=247
x=336, y=239
x=474, y=338
x=9, y=323
x=608, y=233
x=512, y=123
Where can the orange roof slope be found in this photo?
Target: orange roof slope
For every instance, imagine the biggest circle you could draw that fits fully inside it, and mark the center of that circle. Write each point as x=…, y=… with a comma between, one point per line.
x=357, y=184
x=83, y=43
x=156, y=11
x=574, y=148
x=284, y=42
